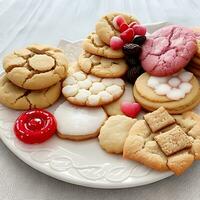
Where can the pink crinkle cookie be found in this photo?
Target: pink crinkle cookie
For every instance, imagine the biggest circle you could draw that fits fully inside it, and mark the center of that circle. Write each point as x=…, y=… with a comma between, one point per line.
x=168, y=50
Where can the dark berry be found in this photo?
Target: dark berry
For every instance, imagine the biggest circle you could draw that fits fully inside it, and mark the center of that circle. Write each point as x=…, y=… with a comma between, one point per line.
x=132, y=49
x=139, y=40
x=133, y=73
x=131, y=61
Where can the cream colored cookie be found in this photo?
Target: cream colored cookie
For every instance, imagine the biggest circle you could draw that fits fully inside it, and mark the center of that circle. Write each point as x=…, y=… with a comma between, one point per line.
x=18, y=98
x=140, y=146
x=78, y=123
x=150, y=100
x=114, y=132
x=35, y=67
x=102, y=67
x=105, y=28
x=94, y=45
x=114, y=108
x=88, y=90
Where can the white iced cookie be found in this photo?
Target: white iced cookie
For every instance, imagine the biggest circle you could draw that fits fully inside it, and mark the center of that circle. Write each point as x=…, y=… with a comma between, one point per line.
x=88, y=90
x=114, y=108
x=78, y=123
x=173, y=87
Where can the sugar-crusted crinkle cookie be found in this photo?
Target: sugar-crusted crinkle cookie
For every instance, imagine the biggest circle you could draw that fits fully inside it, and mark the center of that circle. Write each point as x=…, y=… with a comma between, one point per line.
x=18, y=98
x=94, y=45
x=105, y=28
x=168, y=50
x=36, y=67
x=78, y=123
x=101, y=66
x=114, y=132
x=88, y=90
x=149, y=93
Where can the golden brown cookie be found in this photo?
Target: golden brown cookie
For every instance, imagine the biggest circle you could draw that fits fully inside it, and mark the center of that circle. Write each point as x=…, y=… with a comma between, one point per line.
x=94, y=45
x=105, y=28
x=114, y=132
x=150, y=100
x=114, y=108
x=88, y=90
x=102, y=67
x=18, y=98
x=36, y=67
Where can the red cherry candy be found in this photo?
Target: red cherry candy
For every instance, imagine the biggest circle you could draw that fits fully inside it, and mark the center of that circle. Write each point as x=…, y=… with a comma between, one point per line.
x=123, y=27
x=117, y=21
x=139, y=29
x=132, y=24
x=127, y=35
x=130, y=109
x=35, y=126
x=116, y=43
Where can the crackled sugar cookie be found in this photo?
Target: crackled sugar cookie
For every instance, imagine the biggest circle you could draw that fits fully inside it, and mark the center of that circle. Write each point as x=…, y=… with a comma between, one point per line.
x=36, y=67
x=78, y=123
x=94, y=45
x=18, y=98
x=114, y=108
x=106, y=28
x=178, y=93
x=88, y=90
x=168, y=50
x=172, y=147
x=102, y=67
x=114, y=132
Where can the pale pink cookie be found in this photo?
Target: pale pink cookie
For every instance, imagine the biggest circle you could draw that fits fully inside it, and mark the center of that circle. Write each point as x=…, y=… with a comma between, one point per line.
x=168, y=50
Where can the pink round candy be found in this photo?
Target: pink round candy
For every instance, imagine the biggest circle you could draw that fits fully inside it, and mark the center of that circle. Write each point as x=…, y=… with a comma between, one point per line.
x=117, y=21
x=116, y=43
x=139, y=29
x=130, y=109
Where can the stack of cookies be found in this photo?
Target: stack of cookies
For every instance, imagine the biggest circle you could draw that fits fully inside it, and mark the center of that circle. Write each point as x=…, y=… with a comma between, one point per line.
x=32, y=77
x=194, y=65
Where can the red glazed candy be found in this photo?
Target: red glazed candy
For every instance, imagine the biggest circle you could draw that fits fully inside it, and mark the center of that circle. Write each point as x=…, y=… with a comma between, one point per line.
x=123, y=27
x=117, y=21
x=35, y=126
x=130, y=109
x=139, y=29
x=116, y=43
x=127, y=35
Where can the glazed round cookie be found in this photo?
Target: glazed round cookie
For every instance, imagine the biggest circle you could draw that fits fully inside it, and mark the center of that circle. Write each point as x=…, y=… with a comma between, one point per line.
x=18, y=98
x=102, y=67
x=114, y=108
x=94, y=45
x=88, y=90
x=78, y=123
x=168, y=50
x=36, y=67
x=105, y=28
x=175, y=102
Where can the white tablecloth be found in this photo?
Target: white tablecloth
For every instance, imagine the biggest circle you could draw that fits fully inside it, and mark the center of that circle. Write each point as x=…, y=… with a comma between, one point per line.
x=44, y=21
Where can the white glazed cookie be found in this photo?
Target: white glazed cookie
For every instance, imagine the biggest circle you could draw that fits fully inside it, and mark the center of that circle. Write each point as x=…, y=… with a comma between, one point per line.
x=78, y=123
x=114, y=132
x=102, y=67
x=36, y=67
x=114, y=108
x=88, y=90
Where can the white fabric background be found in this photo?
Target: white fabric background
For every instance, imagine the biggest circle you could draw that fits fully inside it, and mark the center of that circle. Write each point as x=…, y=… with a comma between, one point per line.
x=27, y=21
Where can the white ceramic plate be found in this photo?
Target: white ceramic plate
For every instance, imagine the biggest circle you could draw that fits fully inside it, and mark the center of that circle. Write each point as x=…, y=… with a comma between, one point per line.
x=81, y=163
